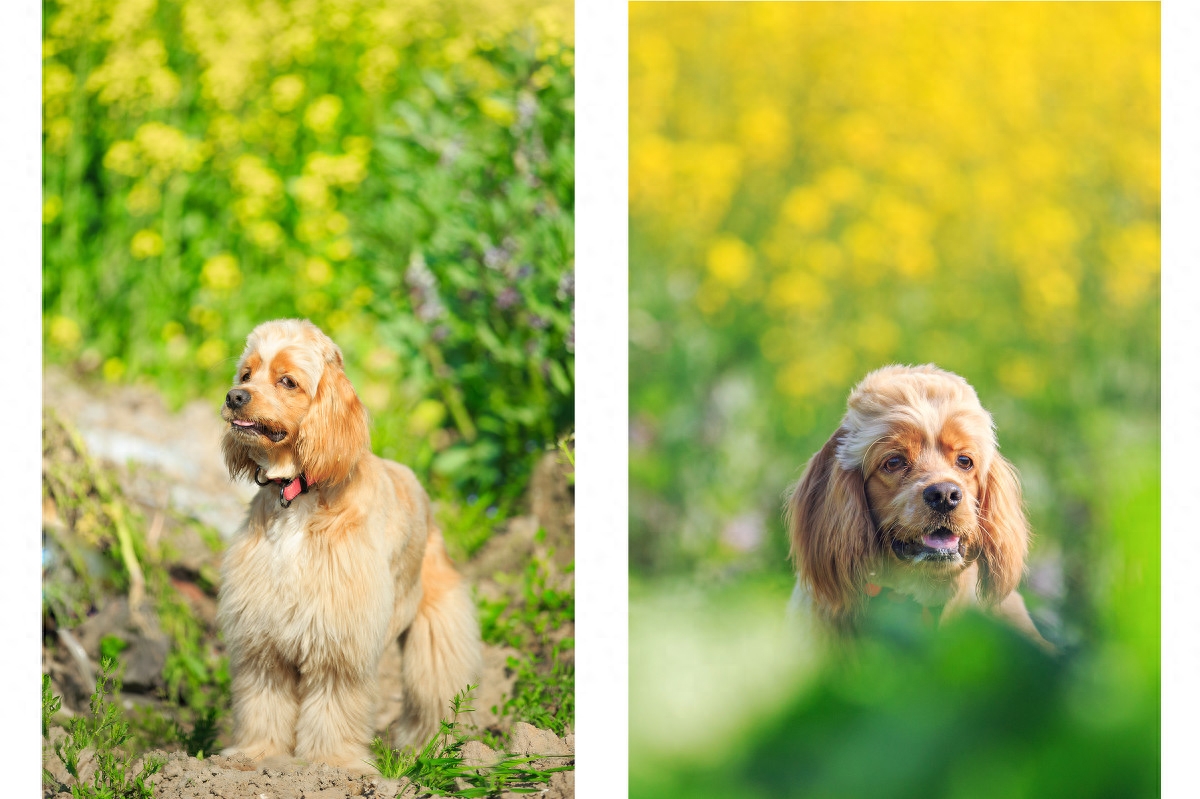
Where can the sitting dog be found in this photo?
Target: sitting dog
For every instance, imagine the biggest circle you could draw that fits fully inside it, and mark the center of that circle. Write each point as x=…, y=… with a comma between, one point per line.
x=910, y=499
x=338, y=557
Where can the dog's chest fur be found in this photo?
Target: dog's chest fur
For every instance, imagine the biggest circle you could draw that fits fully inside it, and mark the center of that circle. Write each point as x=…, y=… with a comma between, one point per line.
x=307, y=598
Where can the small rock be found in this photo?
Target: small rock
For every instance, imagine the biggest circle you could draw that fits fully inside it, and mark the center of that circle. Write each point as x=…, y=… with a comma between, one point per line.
x=525, y=739
x=477, y=753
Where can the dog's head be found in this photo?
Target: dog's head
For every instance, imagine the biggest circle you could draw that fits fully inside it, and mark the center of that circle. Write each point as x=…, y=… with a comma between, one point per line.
x=292, y=410
x=911, y=481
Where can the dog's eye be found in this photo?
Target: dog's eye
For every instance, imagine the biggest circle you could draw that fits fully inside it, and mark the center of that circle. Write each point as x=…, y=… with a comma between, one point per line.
x=894, y=463
x=245, y=375
x=964, y=462
x=287, y=382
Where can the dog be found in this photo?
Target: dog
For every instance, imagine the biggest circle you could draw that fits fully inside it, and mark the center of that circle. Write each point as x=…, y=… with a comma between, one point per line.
x=338, y=557
x=909, y=500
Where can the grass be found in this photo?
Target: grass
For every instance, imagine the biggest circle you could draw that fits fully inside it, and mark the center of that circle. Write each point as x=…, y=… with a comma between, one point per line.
x=439, y=766
x=104, y=731
x=544, y=692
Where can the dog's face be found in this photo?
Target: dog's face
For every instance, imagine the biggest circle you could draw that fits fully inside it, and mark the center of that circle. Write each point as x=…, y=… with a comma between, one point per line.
x=291, y=409
x=910, y=483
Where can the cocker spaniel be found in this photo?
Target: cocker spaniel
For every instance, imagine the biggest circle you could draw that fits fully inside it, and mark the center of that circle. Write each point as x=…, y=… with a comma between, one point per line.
x=339, y=556
x=910, y=501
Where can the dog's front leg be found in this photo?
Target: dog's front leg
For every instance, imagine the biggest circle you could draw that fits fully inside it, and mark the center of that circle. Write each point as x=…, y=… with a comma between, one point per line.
x=334, y=724
x=265, y=706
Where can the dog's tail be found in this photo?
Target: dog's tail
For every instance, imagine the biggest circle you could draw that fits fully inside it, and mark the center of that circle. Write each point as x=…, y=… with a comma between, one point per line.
x=441, y=652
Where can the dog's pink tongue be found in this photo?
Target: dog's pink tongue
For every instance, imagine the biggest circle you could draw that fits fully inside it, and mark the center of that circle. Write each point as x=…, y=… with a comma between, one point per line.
x=940, y=541
x=241, y=423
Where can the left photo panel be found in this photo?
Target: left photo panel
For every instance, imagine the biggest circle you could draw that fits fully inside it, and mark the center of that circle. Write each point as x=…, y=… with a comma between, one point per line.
x=308, y=404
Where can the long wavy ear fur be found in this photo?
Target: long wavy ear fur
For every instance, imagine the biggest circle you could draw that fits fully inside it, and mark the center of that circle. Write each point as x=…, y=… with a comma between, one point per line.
x=1005, y=533
x=333, y=434
x=831, y=532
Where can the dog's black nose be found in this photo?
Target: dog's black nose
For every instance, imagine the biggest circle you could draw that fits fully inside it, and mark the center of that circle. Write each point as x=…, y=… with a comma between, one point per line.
x=942, y=497
x=237, y=398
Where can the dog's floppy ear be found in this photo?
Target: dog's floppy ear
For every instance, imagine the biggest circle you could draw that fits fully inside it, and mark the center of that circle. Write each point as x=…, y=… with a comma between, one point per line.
x=831, y=531
x=333, y=434
x=1005, y=533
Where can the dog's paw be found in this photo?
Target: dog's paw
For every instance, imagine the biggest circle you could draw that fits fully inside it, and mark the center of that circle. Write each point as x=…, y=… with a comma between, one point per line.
x=257, y=750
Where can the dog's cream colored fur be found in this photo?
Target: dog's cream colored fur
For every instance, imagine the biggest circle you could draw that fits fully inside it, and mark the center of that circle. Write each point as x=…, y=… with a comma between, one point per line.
x=861, y=503
x=312, y=593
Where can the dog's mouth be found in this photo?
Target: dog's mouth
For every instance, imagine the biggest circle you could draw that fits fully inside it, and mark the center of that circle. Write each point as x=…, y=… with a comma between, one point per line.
x=257, y=428
x=940, y=546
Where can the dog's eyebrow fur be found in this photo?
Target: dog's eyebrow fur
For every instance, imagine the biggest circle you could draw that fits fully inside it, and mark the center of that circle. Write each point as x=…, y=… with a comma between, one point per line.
x=924, y=399
x=307, y=351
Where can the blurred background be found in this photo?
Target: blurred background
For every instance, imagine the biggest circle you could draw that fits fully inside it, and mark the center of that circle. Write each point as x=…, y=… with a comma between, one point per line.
x=817, y=190
x=399, y=173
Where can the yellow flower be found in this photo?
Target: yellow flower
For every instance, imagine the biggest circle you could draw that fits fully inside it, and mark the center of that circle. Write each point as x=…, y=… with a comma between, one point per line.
x=124, y=159
x=339, y=249
x=426, y=417
x=266, y=235
x=729, y=261
x=806, y=209
x=765, y=133
x=344, y=171
x=286, y=92
x=211, y=353
x=145, y=244
x=311, y=192
x=113, y=370
x=377, y=68
x=143, y=199
x=221, y=273
x=499, y=110
x=322, y=114
x=64, y=332
x=797, y=290
x=51, y=208
x=318, y=272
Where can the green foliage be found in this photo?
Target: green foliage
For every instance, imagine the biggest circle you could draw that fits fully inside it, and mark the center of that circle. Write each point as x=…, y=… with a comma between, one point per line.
x=544, y=691
x=403, y=176
x=105, y=732
x=438, y=766
x=467, y=525
x=51, y=704
x=969, y=710
x=540, y=609
x=201, y=739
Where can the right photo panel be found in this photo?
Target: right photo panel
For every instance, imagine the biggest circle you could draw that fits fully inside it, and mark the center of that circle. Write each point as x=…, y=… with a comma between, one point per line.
x=894, y=414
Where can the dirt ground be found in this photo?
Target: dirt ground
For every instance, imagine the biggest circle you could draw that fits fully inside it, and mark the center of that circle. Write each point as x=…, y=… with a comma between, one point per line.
x=169, y=465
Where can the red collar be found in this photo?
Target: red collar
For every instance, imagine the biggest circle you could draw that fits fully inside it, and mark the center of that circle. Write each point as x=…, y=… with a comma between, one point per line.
x=288, y=491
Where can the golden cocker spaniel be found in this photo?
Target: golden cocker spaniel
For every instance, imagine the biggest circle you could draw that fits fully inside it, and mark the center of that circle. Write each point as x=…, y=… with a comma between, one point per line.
x=339, y=556
x=909, y=498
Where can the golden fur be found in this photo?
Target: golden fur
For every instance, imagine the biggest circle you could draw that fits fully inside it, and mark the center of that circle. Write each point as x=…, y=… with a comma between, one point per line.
x=910, y=495
x=313, y=592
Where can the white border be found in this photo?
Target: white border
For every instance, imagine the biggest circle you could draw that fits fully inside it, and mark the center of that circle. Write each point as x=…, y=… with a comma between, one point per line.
x=1181, y=395
x=602, y=398
x=21, y=394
